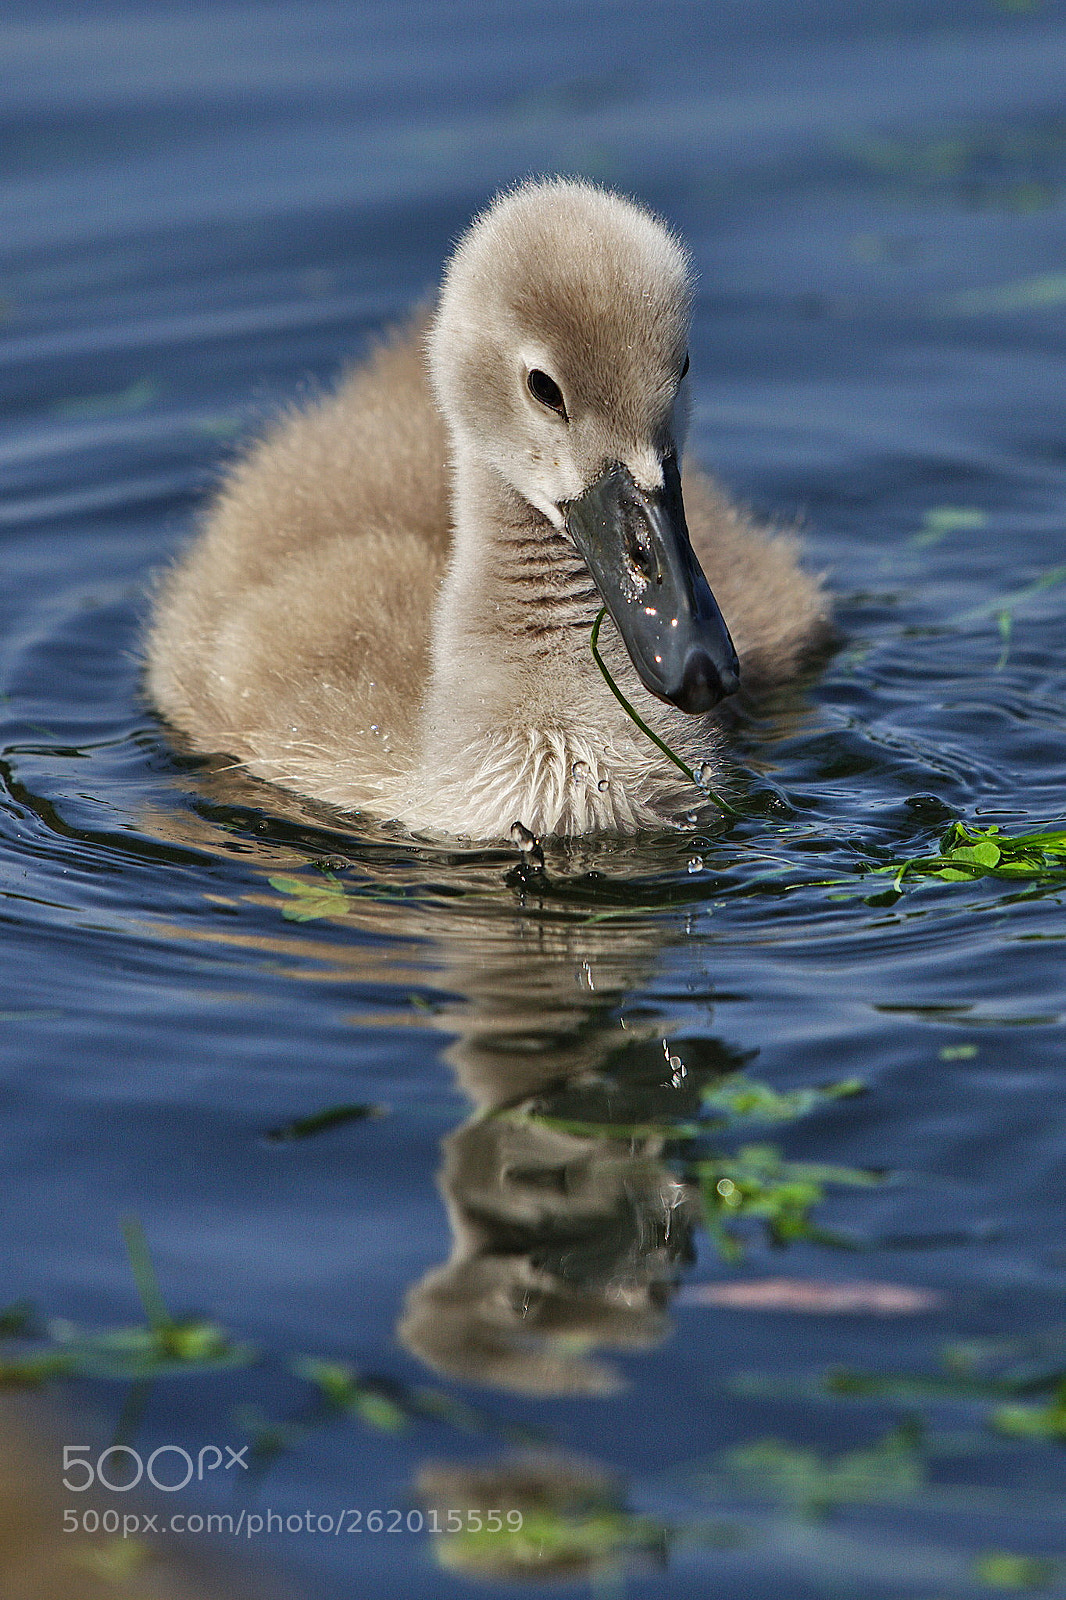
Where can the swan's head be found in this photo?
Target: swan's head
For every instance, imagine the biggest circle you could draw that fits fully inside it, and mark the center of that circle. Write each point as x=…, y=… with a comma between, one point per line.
x=558, y=357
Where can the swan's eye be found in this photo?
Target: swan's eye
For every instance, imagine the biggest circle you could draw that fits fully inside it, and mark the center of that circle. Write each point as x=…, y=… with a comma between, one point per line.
x=546, y=390
x=684, y=369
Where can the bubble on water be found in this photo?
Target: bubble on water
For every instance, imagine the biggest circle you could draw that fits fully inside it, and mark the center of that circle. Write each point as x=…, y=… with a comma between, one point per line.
x=696, y=864
x=579, y=771
x=603, y=785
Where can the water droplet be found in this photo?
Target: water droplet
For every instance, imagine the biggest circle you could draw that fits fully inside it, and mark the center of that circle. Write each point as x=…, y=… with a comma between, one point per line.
x=702, y=774
x=579, y=771
x=696, y=864
x=675, y=1062
x=374, y=728
x=528, y=844
x=691, y=817
x=603, y=785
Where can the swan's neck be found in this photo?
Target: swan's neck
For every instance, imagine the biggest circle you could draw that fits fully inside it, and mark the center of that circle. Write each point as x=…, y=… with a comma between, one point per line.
x=518, y=724
x=515, y=612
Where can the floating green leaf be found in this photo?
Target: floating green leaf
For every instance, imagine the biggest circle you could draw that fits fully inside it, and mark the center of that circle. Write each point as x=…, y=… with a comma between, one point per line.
x=145, y=1352
x=27, y=1372
x=311, y=900
x=967, y=853
x=1041, y=293
x=1001, y=1570
x=746, y=1099
x=757, y=1183
x=124, y=402
x=940, y=521
x=160, y=1346
x=346, y=1391
x=553, y=1542
x=1003, y=605
x=322, y=1121
x=889, y=1471
x=1034, y=1422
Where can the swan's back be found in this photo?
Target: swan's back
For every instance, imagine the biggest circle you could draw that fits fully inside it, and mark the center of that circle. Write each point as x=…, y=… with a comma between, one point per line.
x=310, y=592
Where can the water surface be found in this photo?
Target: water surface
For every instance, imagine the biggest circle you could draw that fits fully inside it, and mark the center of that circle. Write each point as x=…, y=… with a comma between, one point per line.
x=208, y=213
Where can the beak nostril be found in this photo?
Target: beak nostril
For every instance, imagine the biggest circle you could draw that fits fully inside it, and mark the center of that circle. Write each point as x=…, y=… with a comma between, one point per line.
x=641, y=561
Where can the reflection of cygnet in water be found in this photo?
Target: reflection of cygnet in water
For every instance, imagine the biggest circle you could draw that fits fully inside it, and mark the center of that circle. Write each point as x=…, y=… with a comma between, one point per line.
x=564, y=1241
x=569, y=1518
x=561, y=1244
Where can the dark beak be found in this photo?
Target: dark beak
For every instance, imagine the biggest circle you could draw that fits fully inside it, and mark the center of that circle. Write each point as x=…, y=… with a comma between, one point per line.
x=638, y=550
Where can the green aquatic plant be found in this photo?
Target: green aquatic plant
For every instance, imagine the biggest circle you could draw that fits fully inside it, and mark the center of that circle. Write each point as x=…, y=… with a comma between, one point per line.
x=125, y=402
x=1019, y=1386
x=1003, y=607
x=385, y=1405
x=884, y=1473
x=160, y=1346
x=740, y=1098
x=940, y=521
x=1002, y=1570
x=1041, y=293
x=325, y=898
x=1034, y=1421
x=733, y=1098
x=322, y=1122
x=997, y=165
x=966, y=853
x=758, y=1184
x=344, y=1390
x=554, y=1543
x=691, y=773
x=558, y=1519
x=754, y=1183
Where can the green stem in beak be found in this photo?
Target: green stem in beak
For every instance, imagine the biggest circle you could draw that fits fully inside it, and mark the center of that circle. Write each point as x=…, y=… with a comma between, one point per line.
x=660, y=744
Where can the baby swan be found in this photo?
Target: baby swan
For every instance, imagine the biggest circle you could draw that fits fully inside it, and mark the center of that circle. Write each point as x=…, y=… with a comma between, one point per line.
x=390, y=605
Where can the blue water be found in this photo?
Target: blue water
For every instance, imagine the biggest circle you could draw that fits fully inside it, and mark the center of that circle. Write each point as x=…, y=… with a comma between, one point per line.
x=209, y=211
